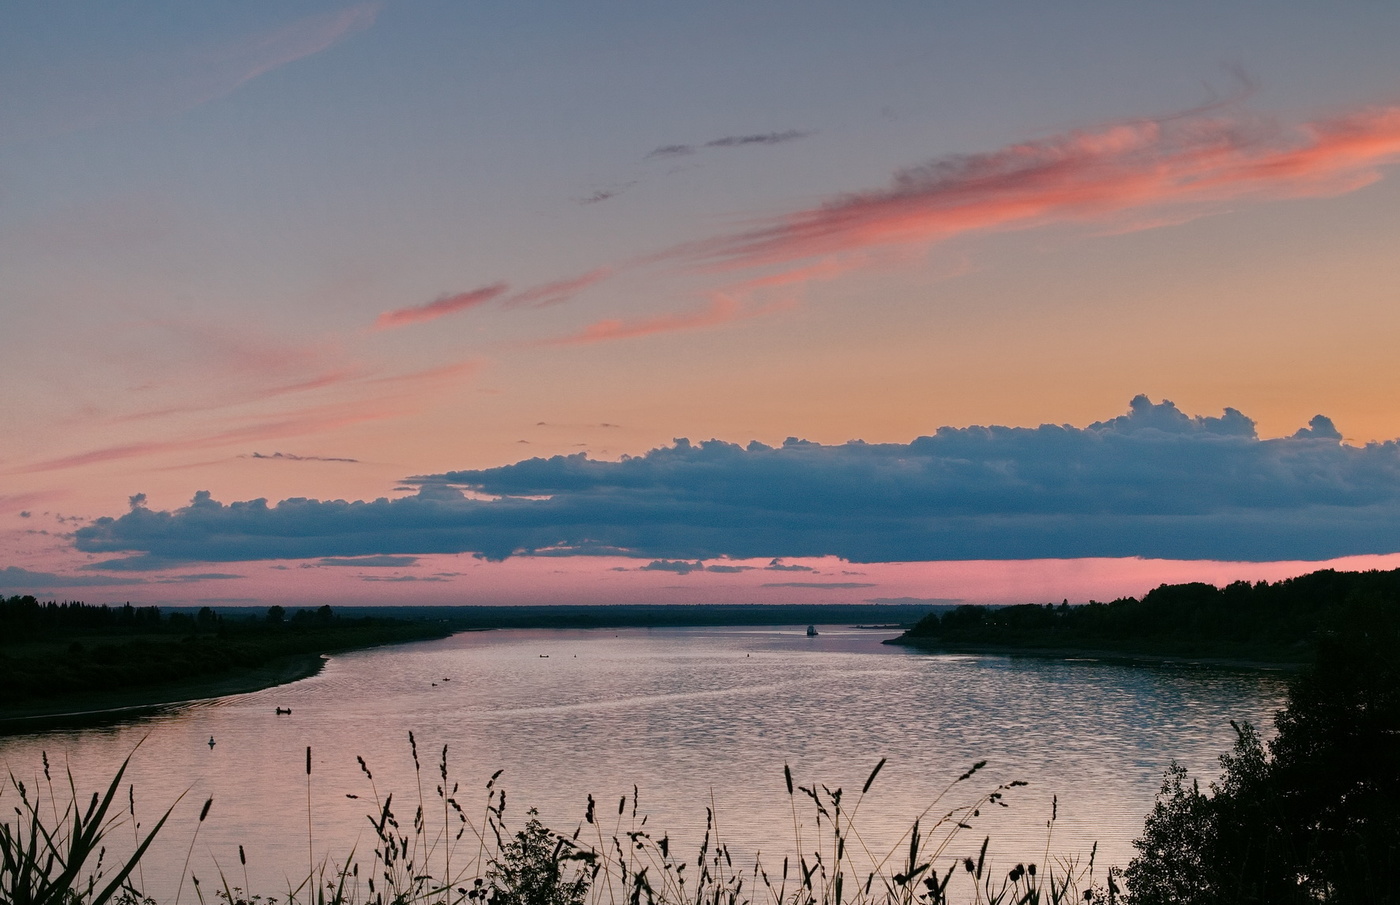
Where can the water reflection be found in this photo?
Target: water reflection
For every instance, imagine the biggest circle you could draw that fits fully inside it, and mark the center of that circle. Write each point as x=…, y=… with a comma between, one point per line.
x=688, y=716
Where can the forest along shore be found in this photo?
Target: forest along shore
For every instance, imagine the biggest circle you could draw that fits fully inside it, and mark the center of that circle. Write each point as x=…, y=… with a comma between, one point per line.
x=72, y=663
x=1241, y=624
x=64, y=663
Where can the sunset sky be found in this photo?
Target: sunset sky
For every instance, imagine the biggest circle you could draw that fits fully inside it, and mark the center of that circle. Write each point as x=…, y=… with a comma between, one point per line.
x=477, y=303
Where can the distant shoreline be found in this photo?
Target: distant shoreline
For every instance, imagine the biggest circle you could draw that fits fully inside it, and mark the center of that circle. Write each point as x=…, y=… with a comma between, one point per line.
x=88, y=709
x=1100, y=654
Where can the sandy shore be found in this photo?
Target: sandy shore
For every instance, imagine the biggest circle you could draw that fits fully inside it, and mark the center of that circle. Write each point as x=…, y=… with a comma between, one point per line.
x=98, y=708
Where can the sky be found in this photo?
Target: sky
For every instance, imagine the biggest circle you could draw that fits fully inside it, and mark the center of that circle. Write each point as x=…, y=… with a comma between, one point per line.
x=485, y=303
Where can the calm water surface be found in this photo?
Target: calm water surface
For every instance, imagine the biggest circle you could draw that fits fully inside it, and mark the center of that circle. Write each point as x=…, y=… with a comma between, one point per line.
x=689, y=716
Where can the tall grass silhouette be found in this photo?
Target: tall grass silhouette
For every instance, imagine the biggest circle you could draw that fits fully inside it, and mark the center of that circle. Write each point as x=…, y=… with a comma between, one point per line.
x=53, y=852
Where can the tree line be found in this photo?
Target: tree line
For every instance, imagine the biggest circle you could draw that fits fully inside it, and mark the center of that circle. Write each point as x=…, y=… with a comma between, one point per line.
x=51, y=651
x=1282, y=620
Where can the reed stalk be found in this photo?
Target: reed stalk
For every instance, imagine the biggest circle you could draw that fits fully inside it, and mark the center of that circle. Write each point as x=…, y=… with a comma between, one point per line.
x=42, y=855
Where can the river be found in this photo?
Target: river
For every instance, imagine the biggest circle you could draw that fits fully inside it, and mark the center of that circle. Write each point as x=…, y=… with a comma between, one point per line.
x=692, y=718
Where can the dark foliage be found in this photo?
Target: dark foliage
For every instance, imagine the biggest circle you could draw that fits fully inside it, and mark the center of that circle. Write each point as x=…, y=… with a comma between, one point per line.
x=50, y=650
x=1283, y=620
x=1311, y=816
x=25, y=617
x=534, y=868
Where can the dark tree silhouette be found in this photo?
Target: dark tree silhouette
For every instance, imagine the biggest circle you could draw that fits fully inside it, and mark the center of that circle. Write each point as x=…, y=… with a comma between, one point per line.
x=1310, y=816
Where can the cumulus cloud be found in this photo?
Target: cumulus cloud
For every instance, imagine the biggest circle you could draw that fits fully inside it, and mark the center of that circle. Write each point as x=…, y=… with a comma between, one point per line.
x=1153, y=482
x=1319, y=428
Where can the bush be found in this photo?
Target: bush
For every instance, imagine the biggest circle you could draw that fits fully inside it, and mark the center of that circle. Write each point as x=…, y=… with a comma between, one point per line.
x=534, y=869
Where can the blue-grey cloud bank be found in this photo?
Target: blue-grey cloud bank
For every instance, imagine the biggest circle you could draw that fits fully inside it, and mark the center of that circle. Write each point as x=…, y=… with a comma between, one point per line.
x=1154, y=482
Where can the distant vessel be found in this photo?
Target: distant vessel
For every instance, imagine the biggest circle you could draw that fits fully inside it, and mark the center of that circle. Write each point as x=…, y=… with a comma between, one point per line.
x=811, y=631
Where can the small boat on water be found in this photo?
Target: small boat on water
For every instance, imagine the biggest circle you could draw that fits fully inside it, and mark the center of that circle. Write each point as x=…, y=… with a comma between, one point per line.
x=284, y=711
x=811, y=631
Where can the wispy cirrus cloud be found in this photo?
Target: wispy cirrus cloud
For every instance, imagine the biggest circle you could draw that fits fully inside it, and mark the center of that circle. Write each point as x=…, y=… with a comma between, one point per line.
x=541, y=296
x=139, y=86
x=17, y=502
x=1081, y=176
x=289, y=424
x=558, y=291
x=1132, y=175
x=721, y=310
x=439, y=307
x=762, y=138
x=730, y=141
x=378, y=398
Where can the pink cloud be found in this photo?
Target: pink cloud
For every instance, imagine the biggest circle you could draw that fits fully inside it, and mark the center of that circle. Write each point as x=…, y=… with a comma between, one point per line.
x=286, y=425
x=406, y=393
x=445, y=374
x=18, y=501
x=316, y=382
x=721, y=310
x=537, y=296
x=561, y=291
x=1079, y=176
x=444, y=305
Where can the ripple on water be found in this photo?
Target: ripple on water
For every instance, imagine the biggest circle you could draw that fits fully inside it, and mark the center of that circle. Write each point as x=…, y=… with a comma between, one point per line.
x=691, y=717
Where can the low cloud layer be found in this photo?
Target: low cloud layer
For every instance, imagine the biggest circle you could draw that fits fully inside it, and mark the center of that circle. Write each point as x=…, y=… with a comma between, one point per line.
x=1154, y=482
x=13, y=579
x=292, y=457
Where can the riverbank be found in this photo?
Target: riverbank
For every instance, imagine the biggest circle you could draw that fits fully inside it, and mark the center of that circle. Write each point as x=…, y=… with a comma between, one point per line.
x=103, y=707
x=1098, y=654
x=66, y=679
